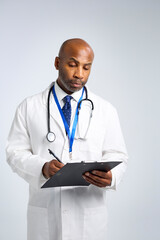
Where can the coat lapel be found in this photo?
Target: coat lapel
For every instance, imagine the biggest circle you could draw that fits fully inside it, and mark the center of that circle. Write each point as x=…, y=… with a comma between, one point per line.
x=55, y=114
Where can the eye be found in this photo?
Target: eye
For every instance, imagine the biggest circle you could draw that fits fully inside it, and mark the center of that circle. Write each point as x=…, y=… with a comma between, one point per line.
x=86, y=67
x=72, y=64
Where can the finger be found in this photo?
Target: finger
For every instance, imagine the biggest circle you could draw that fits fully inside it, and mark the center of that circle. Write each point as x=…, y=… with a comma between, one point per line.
x=98, y=179
x=53, y=171
x=53, y=168
x=89, y=180
x=107, y=175
x=57, y=163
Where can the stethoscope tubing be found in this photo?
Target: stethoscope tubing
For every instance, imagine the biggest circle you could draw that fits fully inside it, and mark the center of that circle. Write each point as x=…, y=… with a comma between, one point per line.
x=48, y=108
x=51, y=135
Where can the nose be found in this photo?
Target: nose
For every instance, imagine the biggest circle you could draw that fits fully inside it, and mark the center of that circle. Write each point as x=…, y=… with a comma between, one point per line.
x=78, y=73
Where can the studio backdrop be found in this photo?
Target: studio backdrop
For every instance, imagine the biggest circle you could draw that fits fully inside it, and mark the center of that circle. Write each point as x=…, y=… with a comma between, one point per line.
x=125, y=36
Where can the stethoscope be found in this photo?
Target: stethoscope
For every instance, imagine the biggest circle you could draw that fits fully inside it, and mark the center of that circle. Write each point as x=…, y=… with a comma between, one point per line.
x=51, y=135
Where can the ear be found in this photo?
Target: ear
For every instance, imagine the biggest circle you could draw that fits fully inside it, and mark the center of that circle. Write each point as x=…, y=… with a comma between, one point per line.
x=56, y=63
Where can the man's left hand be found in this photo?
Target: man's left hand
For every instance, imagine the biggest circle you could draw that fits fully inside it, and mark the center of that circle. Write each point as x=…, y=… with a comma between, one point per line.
x=98, y=178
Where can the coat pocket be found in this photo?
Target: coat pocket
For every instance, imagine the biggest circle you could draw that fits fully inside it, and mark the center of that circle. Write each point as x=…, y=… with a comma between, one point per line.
x=88, y=152
x=37, y=223
x=95, y=223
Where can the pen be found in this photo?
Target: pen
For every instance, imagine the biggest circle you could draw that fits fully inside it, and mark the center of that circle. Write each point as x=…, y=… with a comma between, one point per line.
x=54, y=156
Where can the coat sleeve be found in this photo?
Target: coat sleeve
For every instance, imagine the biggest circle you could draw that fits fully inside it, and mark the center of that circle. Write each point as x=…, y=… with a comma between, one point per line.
x=19, y=152
x=114, y=148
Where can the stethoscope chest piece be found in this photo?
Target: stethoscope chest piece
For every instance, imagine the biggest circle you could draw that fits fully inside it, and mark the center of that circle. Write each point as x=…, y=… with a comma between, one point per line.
x=51, y=136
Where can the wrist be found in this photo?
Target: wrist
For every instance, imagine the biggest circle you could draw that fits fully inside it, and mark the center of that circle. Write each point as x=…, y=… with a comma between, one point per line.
x=45, y=170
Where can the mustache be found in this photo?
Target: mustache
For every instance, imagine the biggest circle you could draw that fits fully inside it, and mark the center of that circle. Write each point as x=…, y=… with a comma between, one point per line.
x=77, y=81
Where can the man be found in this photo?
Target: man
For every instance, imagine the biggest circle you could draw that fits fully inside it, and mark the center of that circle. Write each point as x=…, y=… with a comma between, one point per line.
x=61, y=213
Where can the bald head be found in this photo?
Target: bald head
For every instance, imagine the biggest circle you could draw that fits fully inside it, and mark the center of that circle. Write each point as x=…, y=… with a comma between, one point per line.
x=74, y=64
x=75, y=44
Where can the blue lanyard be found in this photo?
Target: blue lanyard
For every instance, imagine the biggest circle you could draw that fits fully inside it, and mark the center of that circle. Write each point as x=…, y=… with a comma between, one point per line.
x=70, y=134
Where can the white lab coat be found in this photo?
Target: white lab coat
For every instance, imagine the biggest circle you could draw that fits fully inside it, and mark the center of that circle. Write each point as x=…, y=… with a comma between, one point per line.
x=65, y=213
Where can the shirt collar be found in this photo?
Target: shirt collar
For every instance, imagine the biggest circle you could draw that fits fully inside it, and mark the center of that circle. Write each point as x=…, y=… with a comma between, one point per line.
x=61, y=94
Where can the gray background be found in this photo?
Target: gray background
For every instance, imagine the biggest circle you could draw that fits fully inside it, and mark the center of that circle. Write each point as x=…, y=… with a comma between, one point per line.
x=125, y=36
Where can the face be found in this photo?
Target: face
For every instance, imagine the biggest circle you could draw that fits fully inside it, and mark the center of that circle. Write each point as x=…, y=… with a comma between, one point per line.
x=74, y=68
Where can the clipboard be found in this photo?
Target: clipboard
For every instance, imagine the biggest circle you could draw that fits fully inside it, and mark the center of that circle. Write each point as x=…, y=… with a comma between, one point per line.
x=71, y=173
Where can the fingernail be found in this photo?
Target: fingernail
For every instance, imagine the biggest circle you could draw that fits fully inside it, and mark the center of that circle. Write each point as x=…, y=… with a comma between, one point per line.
x=87, y=174
x=94, y=172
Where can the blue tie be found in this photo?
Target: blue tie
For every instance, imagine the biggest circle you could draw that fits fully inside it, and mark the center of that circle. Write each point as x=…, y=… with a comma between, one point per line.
x=67, y=109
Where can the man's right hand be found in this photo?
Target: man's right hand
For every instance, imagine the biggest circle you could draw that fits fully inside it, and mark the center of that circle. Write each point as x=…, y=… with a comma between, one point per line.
x=50, y=168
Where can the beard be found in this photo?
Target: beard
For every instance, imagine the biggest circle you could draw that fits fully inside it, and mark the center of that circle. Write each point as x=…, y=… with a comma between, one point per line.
x=70, y=85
